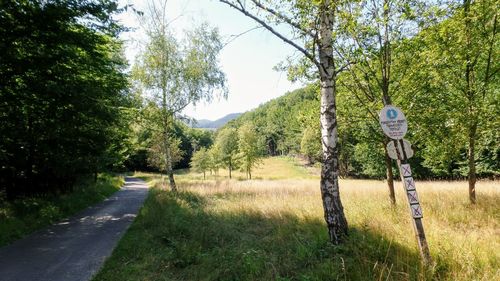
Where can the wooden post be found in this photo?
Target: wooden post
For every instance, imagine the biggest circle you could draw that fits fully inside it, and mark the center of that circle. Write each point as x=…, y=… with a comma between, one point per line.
x=414, y=204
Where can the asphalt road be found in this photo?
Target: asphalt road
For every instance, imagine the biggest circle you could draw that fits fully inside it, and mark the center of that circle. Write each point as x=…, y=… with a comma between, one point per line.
x=76, y=248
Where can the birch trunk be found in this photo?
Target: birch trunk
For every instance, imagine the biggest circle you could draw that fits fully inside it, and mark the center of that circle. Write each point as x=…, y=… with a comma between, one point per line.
x=170, y=170
x=332, y=205
x=168, y=151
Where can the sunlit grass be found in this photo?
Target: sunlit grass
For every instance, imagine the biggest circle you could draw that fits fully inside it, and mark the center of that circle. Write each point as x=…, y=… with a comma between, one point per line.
x=269, y=169
x=273, y=229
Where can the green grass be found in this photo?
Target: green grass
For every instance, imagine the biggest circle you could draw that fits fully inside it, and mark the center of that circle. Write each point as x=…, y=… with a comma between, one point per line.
x=24, y=216
x=273, y=229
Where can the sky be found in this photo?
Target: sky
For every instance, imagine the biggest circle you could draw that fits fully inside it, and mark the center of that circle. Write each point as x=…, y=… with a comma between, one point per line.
x=247, y=60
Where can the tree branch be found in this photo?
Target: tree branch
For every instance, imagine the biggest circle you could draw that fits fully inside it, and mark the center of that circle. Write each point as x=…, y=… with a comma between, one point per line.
x=235, y=36
x=282, y=17
x=244, y=11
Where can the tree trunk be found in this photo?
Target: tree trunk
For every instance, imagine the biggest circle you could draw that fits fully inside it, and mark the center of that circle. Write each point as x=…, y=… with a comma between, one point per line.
x=390, y=176
x=472, y=165
x=168, y=157
x=204, y=175
x=230, y=168
x=332, y=205
x=470, y=93
x=170, y=170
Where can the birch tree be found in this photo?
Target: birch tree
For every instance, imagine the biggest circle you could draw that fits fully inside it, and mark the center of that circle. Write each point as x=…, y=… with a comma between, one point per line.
x=309, y=27
x=175, y=73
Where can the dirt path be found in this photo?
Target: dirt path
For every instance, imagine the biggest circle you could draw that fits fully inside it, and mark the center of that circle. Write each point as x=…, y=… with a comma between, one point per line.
x=74, y=249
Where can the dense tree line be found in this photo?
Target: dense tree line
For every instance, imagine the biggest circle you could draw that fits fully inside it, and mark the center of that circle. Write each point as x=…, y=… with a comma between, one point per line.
x=63, y=93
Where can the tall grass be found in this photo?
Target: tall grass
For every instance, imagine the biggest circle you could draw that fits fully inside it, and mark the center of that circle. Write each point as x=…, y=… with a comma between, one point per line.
x=24, y=216
x=222, y=229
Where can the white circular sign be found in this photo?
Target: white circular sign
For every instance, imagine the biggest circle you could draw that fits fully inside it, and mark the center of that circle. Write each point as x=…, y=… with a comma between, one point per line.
x=393, y=122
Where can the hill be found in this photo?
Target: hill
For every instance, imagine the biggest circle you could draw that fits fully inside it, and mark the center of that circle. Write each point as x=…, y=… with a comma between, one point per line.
x=209, y=124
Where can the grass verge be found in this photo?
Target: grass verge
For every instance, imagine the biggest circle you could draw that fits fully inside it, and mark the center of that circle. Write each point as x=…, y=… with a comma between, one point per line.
x=24, y=216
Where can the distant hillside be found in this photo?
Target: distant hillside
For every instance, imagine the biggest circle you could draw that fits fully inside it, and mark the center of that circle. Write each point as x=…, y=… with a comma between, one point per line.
x=208, y=124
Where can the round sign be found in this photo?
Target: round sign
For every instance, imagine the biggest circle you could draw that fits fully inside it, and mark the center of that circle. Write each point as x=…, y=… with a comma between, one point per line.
x=393, y=122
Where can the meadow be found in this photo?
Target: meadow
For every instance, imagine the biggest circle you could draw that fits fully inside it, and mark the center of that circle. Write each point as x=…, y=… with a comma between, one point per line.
x=272, y=228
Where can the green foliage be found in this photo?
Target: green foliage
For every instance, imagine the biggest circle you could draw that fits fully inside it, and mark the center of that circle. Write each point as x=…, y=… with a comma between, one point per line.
x=201, y=161
x=215, y=156
x=63, y=97
x=310, y=146
x=158, y=151
x=248, y=148
x=455, y=90
x=227, y=144
x=279, y=122
x=144, y=138
x=370, y=157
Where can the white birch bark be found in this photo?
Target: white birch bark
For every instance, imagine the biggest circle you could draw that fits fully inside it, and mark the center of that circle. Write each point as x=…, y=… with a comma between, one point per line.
x=332, y=205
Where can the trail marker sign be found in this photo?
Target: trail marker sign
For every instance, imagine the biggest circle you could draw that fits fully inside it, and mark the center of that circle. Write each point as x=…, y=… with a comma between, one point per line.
x=406, y=170
x=412, y=196
x=396, y=152
x=409, y=184
x=393, y=122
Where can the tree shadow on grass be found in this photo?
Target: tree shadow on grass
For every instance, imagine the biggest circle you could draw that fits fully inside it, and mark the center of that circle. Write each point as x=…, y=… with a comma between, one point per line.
x=176, y=238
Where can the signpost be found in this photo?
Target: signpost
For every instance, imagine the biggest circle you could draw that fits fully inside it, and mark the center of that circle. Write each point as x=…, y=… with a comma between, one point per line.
x=395, y=126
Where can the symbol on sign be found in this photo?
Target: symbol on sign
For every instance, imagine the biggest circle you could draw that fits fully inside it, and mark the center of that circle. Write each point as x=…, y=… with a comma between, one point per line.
x=392, y=114
x=416, y=211
x=406, y=170
x=412, y=197
x=409, y=184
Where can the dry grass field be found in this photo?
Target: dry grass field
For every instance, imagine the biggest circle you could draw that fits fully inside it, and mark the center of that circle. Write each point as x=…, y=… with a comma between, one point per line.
x=272, y=228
